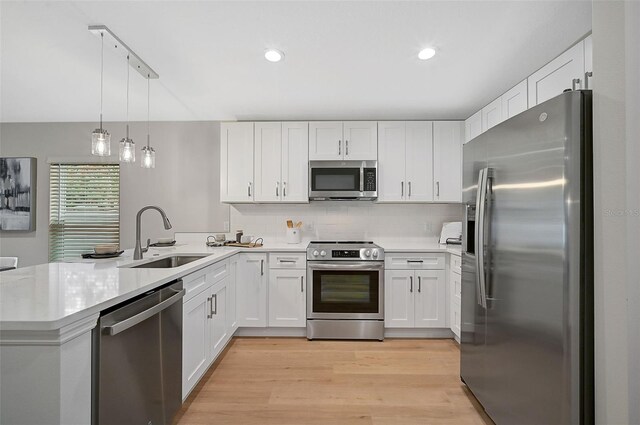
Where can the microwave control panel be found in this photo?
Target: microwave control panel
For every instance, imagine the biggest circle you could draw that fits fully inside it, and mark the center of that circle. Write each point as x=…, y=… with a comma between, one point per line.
x=369, y=179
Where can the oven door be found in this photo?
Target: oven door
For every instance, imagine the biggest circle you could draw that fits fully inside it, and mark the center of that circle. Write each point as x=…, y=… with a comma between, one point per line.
x=345, y=290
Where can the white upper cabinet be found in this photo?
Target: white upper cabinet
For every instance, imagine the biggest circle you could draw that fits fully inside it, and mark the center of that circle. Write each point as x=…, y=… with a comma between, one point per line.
x=557, y=76
x=325, y=140
x=492, y=114
x=360, y=140
x=405, y=162
x=419, y=161
x=295, y=162
x=268, y=161
x=514, y=101
x=447, y=161
x=349, y=140
x=473, y=126
x=236, y=162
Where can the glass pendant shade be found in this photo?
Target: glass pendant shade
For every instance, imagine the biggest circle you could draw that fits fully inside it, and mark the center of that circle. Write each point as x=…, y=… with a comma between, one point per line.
x=127, y=150
x=100, y=142
x=148, y=157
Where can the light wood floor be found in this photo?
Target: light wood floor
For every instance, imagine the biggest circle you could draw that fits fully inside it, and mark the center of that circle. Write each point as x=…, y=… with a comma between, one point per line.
x=294, y=381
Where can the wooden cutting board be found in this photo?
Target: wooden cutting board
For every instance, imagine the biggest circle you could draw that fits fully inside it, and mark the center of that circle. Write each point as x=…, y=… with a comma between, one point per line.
x=245, y=245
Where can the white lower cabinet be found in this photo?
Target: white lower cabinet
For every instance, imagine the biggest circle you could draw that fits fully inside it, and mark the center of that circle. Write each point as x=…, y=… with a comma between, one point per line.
x=251, y=290
x=415, y=299
x=287, y=298
x=218, y=316
x=455, y=288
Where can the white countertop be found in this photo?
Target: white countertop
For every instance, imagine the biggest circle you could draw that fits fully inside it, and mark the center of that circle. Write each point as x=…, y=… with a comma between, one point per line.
x=51, y=296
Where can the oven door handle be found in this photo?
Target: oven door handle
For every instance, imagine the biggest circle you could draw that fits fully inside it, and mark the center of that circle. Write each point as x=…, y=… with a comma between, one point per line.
x=364, y=265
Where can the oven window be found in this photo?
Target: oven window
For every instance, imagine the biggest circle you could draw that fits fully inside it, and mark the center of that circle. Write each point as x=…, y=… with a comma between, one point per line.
x=345, y=291
x=335, y=179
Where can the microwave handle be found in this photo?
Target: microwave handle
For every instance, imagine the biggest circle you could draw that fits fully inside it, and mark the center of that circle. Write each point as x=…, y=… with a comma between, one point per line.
x=361, y=179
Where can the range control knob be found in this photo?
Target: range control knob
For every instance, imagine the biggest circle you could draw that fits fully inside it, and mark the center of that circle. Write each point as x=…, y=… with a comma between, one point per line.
x=367, y=252
x=315, y=253
x=323, y=253
x=375, y=253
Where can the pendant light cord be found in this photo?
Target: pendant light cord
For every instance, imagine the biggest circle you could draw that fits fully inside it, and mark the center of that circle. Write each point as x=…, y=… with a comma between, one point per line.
x=101, y=76
x=148, y=112
x=127, y=98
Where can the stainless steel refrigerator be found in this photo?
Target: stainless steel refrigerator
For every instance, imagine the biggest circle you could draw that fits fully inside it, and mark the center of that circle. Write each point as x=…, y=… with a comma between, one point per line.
x=527, y=273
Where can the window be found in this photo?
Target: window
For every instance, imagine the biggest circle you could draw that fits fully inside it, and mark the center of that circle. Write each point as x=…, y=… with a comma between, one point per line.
x=84, y=208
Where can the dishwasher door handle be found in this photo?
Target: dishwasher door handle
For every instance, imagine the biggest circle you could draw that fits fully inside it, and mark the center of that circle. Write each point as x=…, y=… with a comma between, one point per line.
x=125, y=324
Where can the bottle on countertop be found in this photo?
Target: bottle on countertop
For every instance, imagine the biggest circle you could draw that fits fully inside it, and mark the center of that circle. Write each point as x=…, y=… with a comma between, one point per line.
x=239, y=234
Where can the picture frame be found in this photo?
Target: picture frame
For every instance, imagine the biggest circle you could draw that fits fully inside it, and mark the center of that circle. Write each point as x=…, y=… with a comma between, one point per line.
x=18, y=180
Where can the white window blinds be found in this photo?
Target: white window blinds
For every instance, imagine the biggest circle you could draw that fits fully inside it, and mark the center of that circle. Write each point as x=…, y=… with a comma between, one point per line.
x=84, y=208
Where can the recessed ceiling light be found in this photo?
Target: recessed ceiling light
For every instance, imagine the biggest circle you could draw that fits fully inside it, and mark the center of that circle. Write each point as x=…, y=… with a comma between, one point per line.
x=273, y=55
x=427, y=53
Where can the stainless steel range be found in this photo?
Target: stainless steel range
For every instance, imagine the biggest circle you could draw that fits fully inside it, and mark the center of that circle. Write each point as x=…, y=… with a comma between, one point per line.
x=345, y=294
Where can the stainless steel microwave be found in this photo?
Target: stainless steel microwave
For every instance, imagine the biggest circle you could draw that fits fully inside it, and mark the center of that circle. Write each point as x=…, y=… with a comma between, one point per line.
x=343, y=180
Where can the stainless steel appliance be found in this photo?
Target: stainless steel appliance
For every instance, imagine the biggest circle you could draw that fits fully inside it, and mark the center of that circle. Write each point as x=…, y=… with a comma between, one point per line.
x=137, y=360
x=343, y=180
x=527, y=273
x=345, y=290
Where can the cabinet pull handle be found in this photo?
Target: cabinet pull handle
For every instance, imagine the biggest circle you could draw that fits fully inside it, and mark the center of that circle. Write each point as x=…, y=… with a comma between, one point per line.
x=284, y=189
x=419, y=283
x=249, y=189
x=215, y=310
x=346, y=148
x=210, y=314
x=587, y=76
x=401, y=188
x=286, y=261
x=415, y=261
x=575, y=84
x=409, y=189
x=410, y=283
x=301, y=283
x=438, y=189
x=261, y=267
x=339, y=147
x=277, y=193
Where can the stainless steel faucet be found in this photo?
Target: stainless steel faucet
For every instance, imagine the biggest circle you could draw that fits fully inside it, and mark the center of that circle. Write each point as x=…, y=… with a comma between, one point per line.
x=137, y=252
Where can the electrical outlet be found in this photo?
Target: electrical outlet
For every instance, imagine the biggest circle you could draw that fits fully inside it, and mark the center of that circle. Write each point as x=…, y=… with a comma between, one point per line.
x=226, y=226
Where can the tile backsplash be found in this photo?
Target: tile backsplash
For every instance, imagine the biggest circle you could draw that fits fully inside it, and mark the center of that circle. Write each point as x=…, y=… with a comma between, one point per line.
x=345, y=220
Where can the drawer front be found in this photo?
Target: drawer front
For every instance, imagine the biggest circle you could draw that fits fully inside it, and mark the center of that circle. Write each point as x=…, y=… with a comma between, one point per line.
x=218, y=271
x=194, y=283
x=456, y=285
x=417, y=261
x=456, y=264
x=288, y=260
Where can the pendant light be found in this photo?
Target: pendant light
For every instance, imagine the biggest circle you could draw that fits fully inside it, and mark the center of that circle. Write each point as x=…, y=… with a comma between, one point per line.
x=148, y=153
x=127, y=146
x=100, y=138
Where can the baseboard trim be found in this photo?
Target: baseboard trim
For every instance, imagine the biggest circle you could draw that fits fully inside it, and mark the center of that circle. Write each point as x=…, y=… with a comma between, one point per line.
x=388, y=332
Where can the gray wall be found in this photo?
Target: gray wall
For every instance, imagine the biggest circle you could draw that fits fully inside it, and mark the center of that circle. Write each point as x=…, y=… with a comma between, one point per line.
x=185, y=181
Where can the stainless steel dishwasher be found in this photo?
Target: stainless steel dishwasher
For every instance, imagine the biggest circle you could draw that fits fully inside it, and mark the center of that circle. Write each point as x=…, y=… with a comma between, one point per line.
x=137, y=360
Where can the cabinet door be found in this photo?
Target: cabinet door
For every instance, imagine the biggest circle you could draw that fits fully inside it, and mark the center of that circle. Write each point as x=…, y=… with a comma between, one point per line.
x=360, y=140
x=447, y=161
x=236, y=162
x=431, y=299
x=492, y=114
x=219, y=330
x=325, y=140
x=295, y=162
x=232, y=321
x=473, y=126
x=251, y=290
x=399, y=287
x=419, y=160
x=556, y=76
x=515, y=100
x=287, y=298
x=391, y=165
x=268, y=161
x=195, y=340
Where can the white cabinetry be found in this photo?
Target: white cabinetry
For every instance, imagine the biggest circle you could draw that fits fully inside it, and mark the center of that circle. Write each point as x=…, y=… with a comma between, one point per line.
x=514, y=101
x=447, y=161
x=455, y=292
x=195, y=340
x=473, y=126
x=415, y=291
x=236, y=162
x=406, y=161
x=281, y=162
x=337, y=140
x=287, y=290
x=557, y=76
x=492, y=114
x=251, y=290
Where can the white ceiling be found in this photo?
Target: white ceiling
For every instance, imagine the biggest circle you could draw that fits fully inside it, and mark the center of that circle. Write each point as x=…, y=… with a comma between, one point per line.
x=344, y=60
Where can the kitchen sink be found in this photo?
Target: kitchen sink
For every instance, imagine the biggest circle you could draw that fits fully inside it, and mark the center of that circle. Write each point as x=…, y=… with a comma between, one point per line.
x=169, y=262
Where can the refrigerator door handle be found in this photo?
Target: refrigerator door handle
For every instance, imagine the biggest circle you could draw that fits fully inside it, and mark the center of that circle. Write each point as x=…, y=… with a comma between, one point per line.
x=481, y=198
